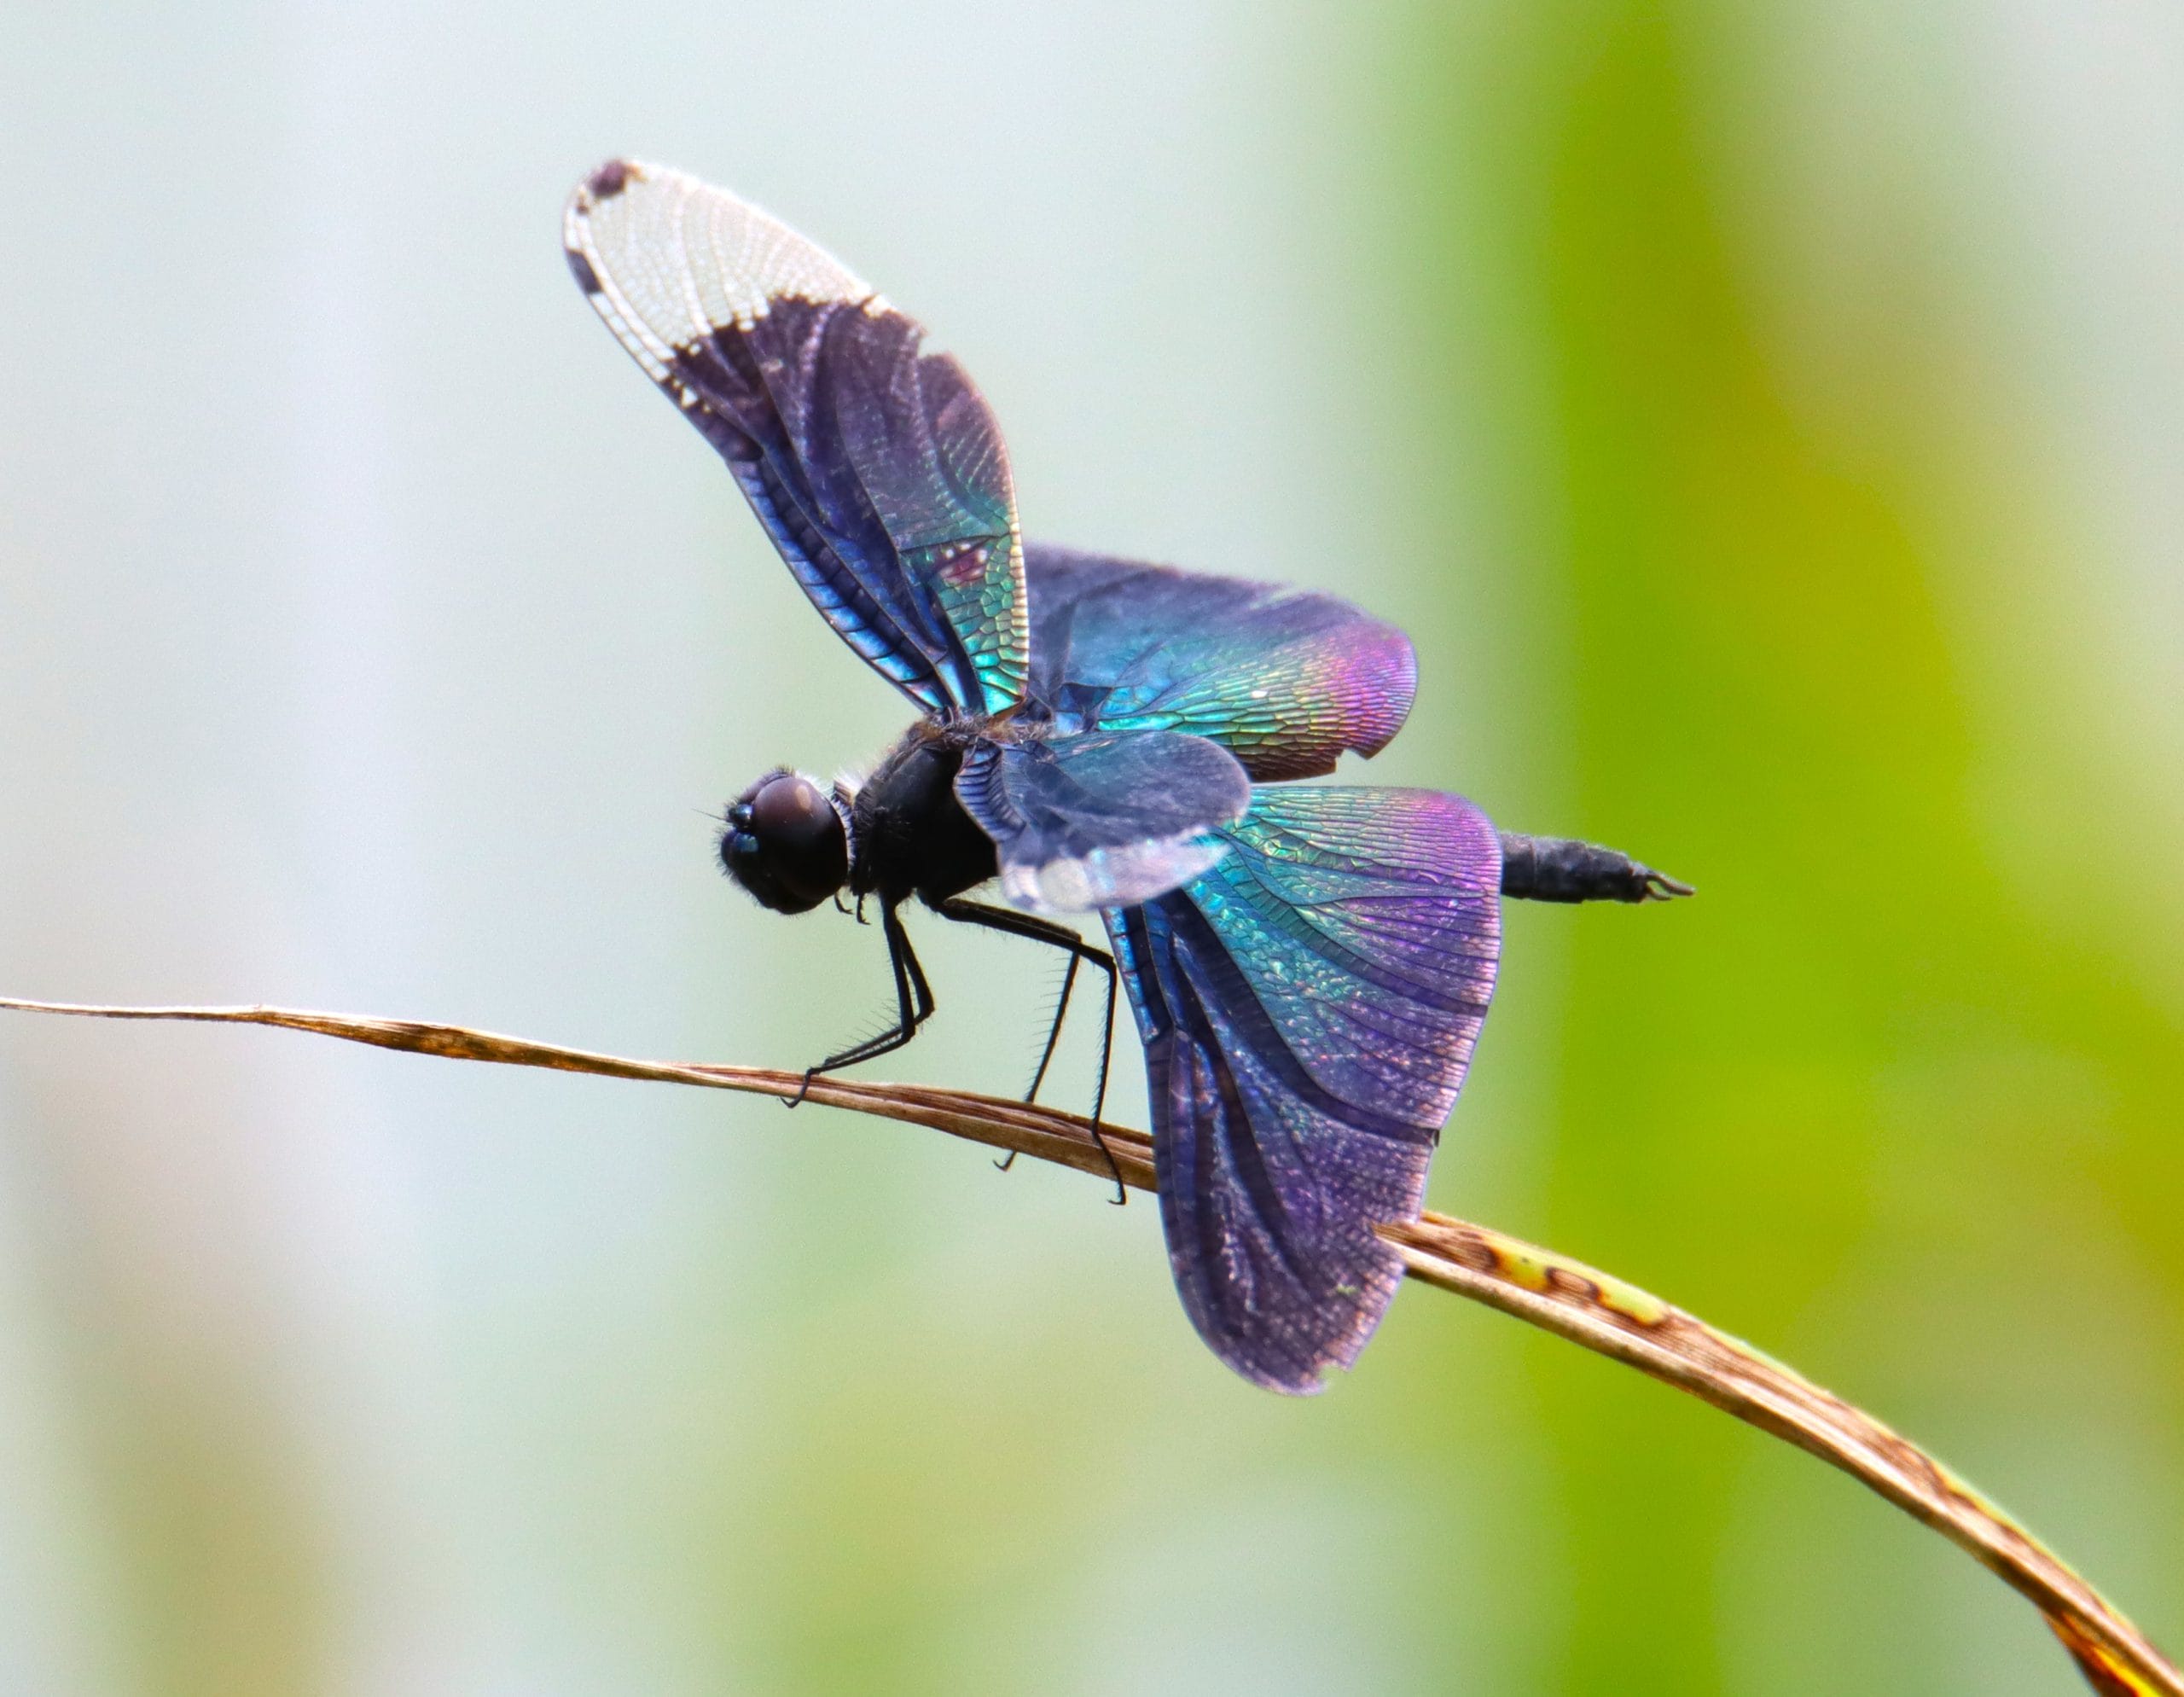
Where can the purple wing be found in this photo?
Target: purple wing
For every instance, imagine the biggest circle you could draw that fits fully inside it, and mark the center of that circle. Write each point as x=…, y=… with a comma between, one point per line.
x=1308, y=1008
x=878, y=470
x=1102, y=819
x=1285, y=679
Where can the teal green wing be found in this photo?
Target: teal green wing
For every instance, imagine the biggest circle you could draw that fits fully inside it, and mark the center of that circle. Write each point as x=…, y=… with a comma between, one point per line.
x=1285, y=679
x=1309, y=1006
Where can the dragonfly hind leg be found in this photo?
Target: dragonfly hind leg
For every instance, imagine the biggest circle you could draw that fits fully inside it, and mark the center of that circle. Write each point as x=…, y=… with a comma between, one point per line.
x=1012, y=923
x=914, y=1006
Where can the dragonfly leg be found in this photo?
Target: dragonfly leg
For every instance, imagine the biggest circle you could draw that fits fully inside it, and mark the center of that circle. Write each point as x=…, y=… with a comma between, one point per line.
x=914, y=1005
x=1564, y=869
x=1012, y=923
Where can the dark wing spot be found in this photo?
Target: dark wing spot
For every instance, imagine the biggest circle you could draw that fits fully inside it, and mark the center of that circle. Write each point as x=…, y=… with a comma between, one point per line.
x=963, y=564
x=609, y=180
x=580, y=269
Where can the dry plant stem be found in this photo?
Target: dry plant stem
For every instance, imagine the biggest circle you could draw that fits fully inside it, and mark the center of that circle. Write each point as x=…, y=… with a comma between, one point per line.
x=1556, y=1294
x=1628, y=1325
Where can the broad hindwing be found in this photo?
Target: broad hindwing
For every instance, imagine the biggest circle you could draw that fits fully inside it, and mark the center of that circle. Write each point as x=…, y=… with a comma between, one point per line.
x=1103, y=819
x=1308, y=1006
x=1285, y=679
x=877, y=469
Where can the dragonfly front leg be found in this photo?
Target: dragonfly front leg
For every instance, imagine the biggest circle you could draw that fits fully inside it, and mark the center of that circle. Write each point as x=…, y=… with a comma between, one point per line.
x=914, y=1005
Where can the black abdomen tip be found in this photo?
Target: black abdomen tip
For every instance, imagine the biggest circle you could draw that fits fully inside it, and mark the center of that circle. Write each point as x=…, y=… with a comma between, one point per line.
x=1564, y=869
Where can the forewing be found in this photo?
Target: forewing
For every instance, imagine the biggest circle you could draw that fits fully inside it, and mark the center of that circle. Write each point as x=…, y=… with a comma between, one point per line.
x=877, y=469
x=1285, y=679
x=1103, y=819
x=1308, y=1006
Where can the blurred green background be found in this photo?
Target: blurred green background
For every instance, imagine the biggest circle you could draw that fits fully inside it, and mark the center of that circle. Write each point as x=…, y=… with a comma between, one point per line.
x=1769, y=420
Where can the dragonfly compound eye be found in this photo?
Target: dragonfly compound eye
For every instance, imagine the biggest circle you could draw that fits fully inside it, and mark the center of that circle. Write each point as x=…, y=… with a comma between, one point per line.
x=784, y=843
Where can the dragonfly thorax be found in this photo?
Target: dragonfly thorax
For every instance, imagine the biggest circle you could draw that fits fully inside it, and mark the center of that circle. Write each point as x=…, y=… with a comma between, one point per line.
x=909, y=835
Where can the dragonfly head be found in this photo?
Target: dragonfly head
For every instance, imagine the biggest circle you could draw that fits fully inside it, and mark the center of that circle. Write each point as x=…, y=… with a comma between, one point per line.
x=786, y=842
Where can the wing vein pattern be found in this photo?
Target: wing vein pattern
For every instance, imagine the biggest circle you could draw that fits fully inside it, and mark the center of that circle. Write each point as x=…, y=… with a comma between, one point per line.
x=877, y=468
x=1101, y=819
x=1285, y=679
x=1308, y=1006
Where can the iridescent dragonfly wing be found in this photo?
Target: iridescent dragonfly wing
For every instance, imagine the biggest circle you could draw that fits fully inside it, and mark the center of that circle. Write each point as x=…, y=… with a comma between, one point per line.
x=1285, y=679
x=877, y=469
x=1309, y=1006
x=1101, y=820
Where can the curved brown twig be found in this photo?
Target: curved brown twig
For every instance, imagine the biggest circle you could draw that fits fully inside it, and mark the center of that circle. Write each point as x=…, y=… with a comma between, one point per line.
x=1559, y=1295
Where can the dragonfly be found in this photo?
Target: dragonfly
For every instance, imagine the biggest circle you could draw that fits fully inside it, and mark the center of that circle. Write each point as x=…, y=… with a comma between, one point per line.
x=1309, y=964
